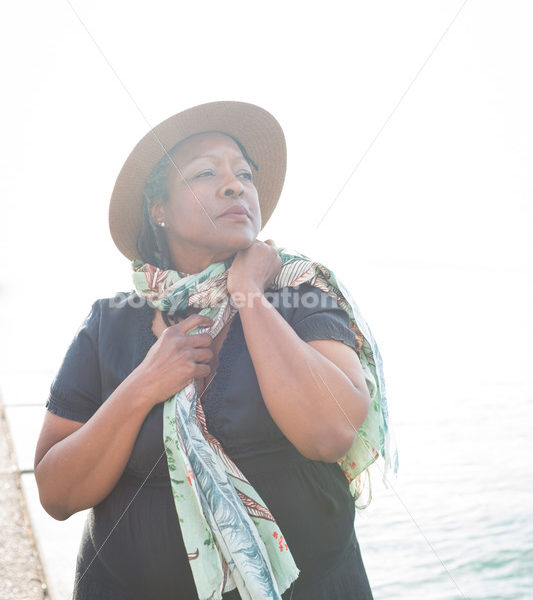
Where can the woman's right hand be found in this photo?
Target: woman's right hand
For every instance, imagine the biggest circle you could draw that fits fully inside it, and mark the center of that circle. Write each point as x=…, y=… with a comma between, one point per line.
x=78, y=464
x=176, y=359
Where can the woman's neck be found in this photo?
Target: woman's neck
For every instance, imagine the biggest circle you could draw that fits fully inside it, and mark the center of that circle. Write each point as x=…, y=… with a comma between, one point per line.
x=191, y=264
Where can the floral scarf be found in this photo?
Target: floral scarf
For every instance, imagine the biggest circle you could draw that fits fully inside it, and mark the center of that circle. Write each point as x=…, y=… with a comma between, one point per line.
x=231, y=538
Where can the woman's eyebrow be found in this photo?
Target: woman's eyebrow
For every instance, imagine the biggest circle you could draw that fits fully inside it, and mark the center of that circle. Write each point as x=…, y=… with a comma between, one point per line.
x=199, y=158
x=236, y=157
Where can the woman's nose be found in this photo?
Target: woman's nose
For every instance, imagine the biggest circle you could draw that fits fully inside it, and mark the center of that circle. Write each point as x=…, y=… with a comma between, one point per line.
x=232, y=187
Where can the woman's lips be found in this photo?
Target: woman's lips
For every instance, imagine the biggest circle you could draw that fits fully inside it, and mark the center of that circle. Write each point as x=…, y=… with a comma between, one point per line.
x=233, y=216
x=235, y=211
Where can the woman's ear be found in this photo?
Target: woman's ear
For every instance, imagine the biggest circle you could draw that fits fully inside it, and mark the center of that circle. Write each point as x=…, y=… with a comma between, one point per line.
x=158, y=212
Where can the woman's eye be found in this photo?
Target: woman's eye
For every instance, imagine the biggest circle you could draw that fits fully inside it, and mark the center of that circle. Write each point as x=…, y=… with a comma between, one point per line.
x=247, y=175
x=205, y=173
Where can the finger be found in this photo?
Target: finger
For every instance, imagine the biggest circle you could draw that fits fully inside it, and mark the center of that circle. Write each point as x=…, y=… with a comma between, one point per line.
x=193, y=321
x=200, y=340
x=203, y=355
x=202, y=370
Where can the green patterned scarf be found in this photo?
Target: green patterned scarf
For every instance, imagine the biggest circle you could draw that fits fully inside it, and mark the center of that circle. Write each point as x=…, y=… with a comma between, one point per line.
x=231, y=538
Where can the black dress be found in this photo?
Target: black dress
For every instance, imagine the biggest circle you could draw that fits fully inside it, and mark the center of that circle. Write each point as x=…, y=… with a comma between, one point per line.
x=135, y=529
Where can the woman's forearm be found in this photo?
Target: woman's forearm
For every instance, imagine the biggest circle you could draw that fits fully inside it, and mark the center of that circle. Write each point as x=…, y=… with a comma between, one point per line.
x=311, y=400
x=79, y=471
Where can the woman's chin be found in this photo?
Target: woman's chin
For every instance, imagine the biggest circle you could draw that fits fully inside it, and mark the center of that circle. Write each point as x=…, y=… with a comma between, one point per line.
x=241, y=242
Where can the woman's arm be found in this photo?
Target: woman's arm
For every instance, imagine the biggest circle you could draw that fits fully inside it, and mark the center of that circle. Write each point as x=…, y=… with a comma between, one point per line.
x=315, y=391
x=77, y=465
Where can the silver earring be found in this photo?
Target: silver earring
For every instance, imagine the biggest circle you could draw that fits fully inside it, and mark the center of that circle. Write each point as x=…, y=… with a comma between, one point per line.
x=162, y=223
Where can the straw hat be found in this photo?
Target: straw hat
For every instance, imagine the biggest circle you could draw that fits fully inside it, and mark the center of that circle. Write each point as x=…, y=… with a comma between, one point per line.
x=256, y=129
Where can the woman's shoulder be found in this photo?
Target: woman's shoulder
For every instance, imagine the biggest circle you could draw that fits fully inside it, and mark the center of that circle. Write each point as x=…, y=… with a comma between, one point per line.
x=120, y=312
x=121, y=304
x=313, y=313
x=293, y=302
x=122, y=300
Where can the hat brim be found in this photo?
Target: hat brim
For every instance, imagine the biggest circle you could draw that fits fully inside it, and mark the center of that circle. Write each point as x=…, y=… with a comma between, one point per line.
x=256, y=129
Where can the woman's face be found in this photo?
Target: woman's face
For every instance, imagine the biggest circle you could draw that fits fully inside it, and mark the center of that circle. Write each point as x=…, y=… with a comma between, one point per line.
x=216, y=178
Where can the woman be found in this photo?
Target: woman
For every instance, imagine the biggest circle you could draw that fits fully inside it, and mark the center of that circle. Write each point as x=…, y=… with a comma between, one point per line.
x=202, y=486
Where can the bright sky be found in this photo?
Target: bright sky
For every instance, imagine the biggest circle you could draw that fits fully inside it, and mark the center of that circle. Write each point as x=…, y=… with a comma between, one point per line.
x=446, y=185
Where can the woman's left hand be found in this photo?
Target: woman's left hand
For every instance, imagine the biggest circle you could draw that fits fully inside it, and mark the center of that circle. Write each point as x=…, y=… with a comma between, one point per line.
x=254, y=268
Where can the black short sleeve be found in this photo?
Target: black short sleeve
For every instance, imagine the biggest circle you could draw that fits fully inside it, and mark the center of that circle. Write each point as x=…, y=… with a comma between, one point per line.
x=317, y=316
x=75, y=393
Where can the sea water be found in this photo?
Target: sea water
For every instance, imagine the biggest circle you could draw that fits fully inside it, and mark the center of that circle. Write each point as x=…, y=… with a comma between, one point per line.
x=457, y=522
